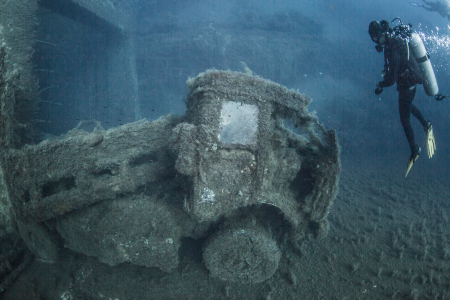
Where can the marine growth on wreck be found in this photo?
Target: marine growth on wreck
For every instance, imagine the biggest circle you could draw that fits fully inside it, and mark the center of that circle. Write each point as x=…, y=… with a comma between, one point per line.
x=247, y=169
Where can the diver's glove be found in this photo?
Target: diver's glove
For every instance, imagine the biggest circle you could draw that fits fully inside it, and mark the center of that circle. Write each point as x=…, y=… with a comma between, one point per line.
x=431, y=143
x=378, y=90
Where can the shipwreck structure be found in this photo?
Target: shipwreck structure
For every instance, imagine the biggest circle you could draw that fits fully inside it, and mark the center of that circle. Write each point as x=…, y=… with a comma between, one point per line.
x=245, y=172
x=232, y=172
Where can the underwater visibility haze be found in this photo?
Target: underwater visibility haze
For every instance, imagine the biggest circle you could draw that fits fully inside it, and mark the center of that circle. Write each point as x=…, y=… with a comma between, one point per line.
x=205, y=149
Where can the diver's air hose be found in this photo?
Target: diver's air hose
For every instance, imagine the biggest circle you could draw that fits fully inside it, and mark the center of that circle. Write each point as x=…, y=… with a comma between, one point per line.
x=407, y=48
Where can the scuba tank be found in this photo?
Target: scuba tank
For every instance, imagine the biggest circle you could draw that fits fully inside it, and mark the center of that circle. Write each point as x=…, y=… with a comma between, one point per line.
x=418, y=49
x=415, y=45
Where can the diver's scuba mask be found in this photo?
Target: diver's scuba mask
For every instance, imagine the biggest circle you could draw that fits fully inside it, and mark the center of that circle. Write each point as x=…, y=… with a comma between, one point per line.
x=378, y=32
x=380, y=40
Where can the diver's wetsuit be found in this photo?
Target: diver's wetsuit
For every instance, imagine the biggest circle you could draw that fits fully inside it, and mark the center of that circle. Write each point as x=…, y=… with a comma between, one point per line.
x=407, y=74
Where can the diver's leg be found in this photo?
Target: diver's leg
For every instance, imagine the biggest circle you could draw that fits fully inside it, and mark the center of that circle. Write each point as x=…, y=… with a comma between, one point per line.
x=431, y=143
x=416, y=113
x=405, y=99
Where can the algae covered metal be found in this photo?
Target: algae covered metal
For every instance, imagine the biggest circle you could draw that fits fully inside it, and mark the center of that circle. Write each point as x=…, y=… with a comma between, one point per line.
x=246, y=169
x=238, y=153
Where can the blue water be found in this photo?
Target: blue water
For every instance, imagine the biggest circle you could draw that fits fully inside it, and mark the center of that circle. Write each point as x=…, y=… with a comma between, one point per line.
x=319, y=48
x=174, y=40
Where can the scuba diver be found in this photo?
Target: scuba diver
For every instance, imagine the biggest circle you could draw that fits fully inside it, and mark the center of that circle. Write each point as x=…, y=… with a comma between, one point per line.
x=442, y=7
x=405, y=65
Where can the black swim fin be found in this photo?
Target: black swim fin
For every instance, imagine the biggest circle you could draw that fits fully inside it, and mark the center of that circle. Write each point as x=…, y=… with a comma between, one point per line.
x=412, y=159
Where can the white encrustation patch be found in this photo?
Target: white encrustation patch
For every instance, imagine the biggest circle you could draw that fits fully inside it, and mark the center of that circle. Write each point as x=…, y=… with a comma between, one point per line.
x=67, y=295
x=169, y=241
x=208, y=195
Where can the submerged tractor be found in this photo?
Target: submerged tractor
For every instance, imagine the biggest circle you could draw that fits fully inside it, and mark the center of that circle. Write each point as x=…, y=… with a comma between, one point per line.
x=247, y=171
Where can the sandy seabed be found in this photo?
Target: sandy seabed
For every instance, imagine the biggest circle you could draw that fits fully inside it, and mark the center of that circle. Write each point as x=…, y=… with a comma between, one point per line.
x=389, y=239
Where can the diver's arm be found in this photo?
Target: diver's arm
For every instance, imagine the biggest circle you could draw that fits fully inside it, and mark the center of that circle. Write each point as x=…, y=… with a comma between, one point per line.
x=387, y=81
x=391, y=69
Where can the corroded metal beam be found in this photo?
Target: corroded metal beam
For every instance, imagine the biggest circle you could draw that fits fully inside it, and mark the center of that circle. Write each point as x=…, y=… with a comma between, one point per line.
x=99, y=14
